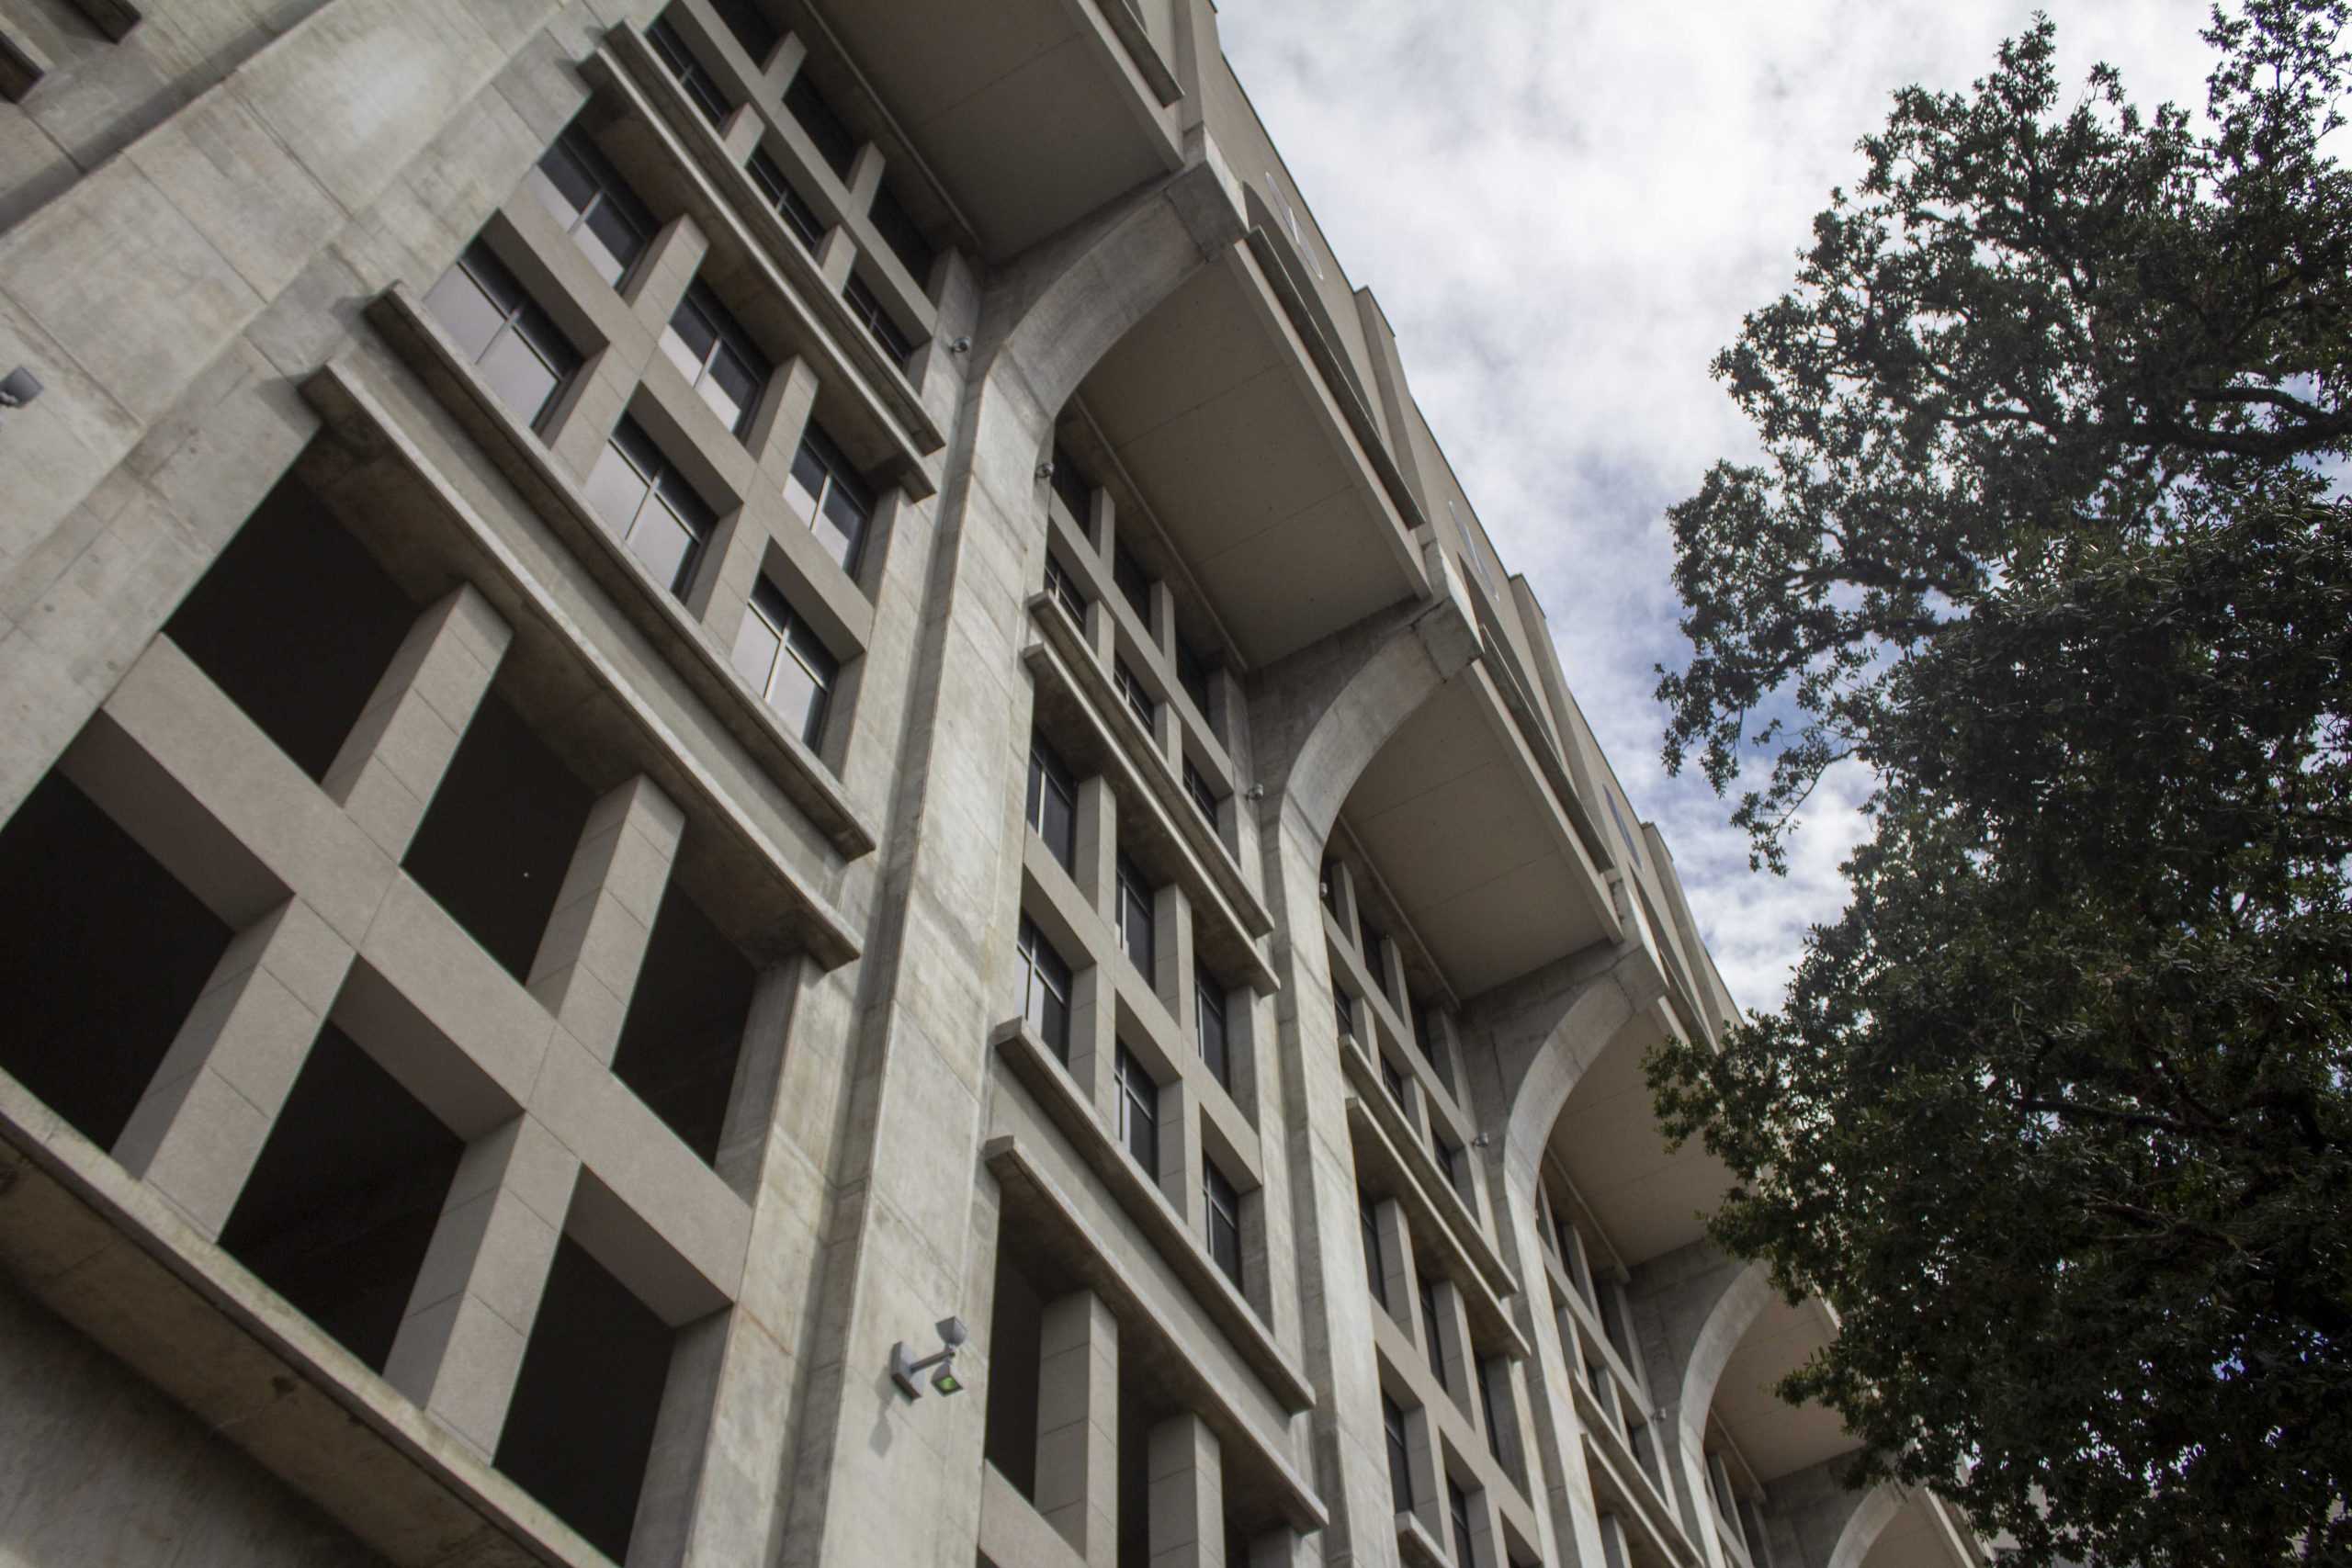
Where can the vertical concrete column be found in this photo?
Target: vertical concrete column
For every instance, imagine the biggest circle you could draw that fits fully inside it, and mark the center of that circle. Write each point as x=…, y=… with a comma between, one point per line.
x=1396, y=1285
x=582, y=424
x=1485, y=1541
x=1507, y=1381
x=394, y=758
x=460, y=1344
x=659, y=281
x=865, y=176
x=1078, y=1425
x=1094, y=1037
x=596, y=941
x=1168, y=730
x=1614, y=1552
x=1095, y=864
x=198, y=1130
x=1186, y=1505
x=1425, y=1461
x=1102, y=632
x=777, y=70
x=1457, y=1362
x=1101, y=523
x=782, y=419
x=1343, y=895
x=1163, y=623
x=1171, y=956
x=740, y=134
x=1278, y=1549
x=1180, y=1154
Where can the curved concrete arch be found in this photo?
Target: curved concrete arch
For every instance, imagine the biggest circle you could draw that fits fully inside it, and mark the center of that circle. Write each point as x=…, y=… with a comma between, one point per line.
x=1868, y=1520
x=1735, y=1313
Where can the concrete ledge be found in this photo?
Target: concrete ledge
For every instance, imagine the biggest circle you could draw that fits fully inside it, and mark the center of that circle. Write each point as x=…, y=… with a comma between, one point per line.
x=420, y=341
x=1062, y=657
x=847, y=357
x=83, y=1237
x=746, y=861
x=1414, y=1545
x=1014, y=1534
x=1129, y=30
x=1145, y=1203
x=1032, y=1199
x=21, y=66
x=1606, y=1453
x=1448, y=1209
x=1453, y=1422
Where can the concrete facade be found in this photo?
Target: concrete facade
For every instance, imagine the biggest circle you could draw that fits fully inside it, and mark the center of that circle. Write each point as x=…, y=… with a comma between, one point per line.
x=689, y=685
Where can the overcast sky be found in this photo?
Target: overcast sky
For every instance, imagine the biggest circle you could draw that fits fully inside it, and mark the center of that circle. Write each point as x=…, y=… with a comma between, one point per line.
x=1565, y=209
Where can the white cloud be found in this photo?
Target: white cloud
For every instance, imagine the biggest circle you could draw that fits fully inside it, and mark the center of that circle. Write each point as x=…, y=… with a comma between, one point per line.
x=1566, y=209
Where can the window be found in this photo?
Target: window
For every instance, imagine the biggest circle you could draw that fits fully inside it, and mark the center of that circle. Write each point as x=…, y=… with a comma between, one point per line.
x=1074, y=489
x=785, y=661
x=1064, y=587
x=1393, y=1081
x=1458, y=1503
x=1345, y=1006
x=898, y=229
x=1449, y=1157
x=1134, y=915
x=594, y=204
x=867, y=308
x=1612, y=1320
x=1375, y=1266
x=751, y=26
x=1425, y=1037
x=1489, y=1371
x=699, y=84
x=1203, y=797
x=785, y=197
x=717, y=357
x=827, y=492
x=1045, y=989
x=1431, y=1341
x=1138, y=1110
x=834, y=141
x=1193, y=674
x=1133, y=582
x=1375, y=941
x=1330, y=888
x=1208, y=1025
x=1132, y=693
x=512, y=341
x=1053, y=802
x=1400, y=1454
x=1224, y=1207
x=649, y=505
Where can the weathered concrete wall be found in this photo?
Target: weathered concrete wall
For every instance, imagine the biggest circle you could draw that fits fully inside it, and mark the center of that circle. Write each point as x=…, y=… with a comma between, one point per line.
x=98, y=1471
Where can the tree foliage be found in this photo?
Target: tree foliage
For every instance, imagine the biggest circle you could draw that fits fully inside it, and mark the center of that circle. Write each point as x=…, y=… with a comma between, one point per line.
x=2059, y=1114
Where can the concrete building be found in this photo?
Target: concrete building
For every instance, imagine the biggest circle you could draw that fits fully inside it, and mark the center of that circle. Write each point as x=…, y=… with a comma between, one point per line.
x=687, y=685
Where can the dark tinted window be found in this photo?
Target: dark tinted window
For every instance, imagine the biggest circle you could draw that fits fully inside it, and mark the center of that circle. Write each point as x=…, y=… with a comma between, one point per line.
x=1224, y=1206
x=751, y=26
x=650, y=506
x=1053, y=802
x=1077, y=492
x=898, y=231
x=834, y=141
x=782, y=658
x=1132, y=692
x=828, y=494
x=1134, y=915
x=1458, y=1504
x=1045, y=988
x=512, y=341
x=1193, y=674
x=1133, y=582
x=867, y=308
x=717, y=356
x=589, y=197
x=1063, y=585
x=1209, y=1028
x=1138, y=1110
x=1432, y=1342
x=1374, y=1266
x=679, y=56
x=1400, y=1455
x=799, y=215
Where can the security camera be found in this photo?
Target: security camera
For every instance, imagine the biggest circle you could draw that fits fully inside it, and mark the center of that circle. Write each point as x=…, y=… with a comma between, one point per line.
x=18, y=387
x=952, y=1331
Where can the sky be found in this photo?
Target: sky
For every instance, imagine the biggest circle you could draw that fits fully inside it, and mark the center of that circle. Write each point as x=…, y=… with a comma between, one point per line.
x=1566, y=207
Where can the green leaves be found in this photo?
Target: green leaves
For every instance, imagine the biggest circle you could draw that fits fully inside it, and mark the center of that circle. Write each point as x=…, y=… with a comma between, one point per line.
x=2059, y=1114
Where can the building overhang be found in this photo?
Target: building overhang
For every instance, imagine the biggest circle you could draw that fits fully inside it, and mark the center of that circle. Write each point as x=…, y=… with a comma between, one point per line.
x=1649, y=1198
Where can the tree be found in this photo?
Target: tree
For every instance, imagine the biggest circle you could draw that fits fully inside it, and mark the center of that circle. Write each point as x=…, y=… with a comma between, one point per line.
x=2059, y=1114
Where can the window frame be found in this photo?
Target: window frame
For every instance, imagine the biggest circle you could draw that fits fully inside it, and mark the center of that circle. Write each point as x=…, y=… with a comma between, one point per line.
x=609, y=194
x=1039, y=961
x=1435, y=1346
x=790, y=632
x=1208, y=1001
x=524, y=318
x=1221, y=1200
x=1196, y=788
x=1048, y=772
x=1135, y=694
x=727, y=337
x=879, y=324
x=1375, y=1255
x=656, y=483
x=1063, y=584
x=1138, y=1093
x=674, y=50
x=840, y=475
x=835, y=142
x=784, y=198
x=1133, y=915
x=1400, y=1453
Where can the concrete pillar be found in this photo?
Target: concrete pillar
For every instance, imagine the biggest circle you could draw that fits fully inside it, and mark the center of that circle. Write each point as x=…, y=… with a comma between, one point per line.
x=1614, y=1552
x=1078, y=1425
x=196, y=1132
x=460, y=1344
x=1187, y=1496
x=1179, y=1152
x=1278, y=1549
x=1095, y=866
x=1426, y=1462
x=393, y=760
x=658, y=280
x=1456, y=1359
x=1172, y=952
x=1396, y=1285
x=582, y=424
x=1486, y=1533
x=1094, y=1038
x=782, y=418
x=596, y=941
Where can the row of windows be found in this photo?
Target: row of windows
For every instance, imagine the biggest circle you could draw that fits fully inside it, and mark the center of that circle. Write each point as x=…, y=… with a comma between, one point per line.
x=642, y=496
x=1051, y=811
x=835, y=143
x=1127, y=574
x=1401, y=1480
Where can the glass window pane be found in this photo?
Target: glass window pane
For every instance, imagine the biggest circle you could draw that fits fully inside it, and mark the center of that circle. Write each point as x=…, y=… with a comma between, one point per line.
x=616, y=489
x=609, y=240
x=732, y=388
x=796, y=697
x=563, y=183
x=667, y=545
x=756, y=646
x=522, y=379
x=845, y=528
x=458, y=303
